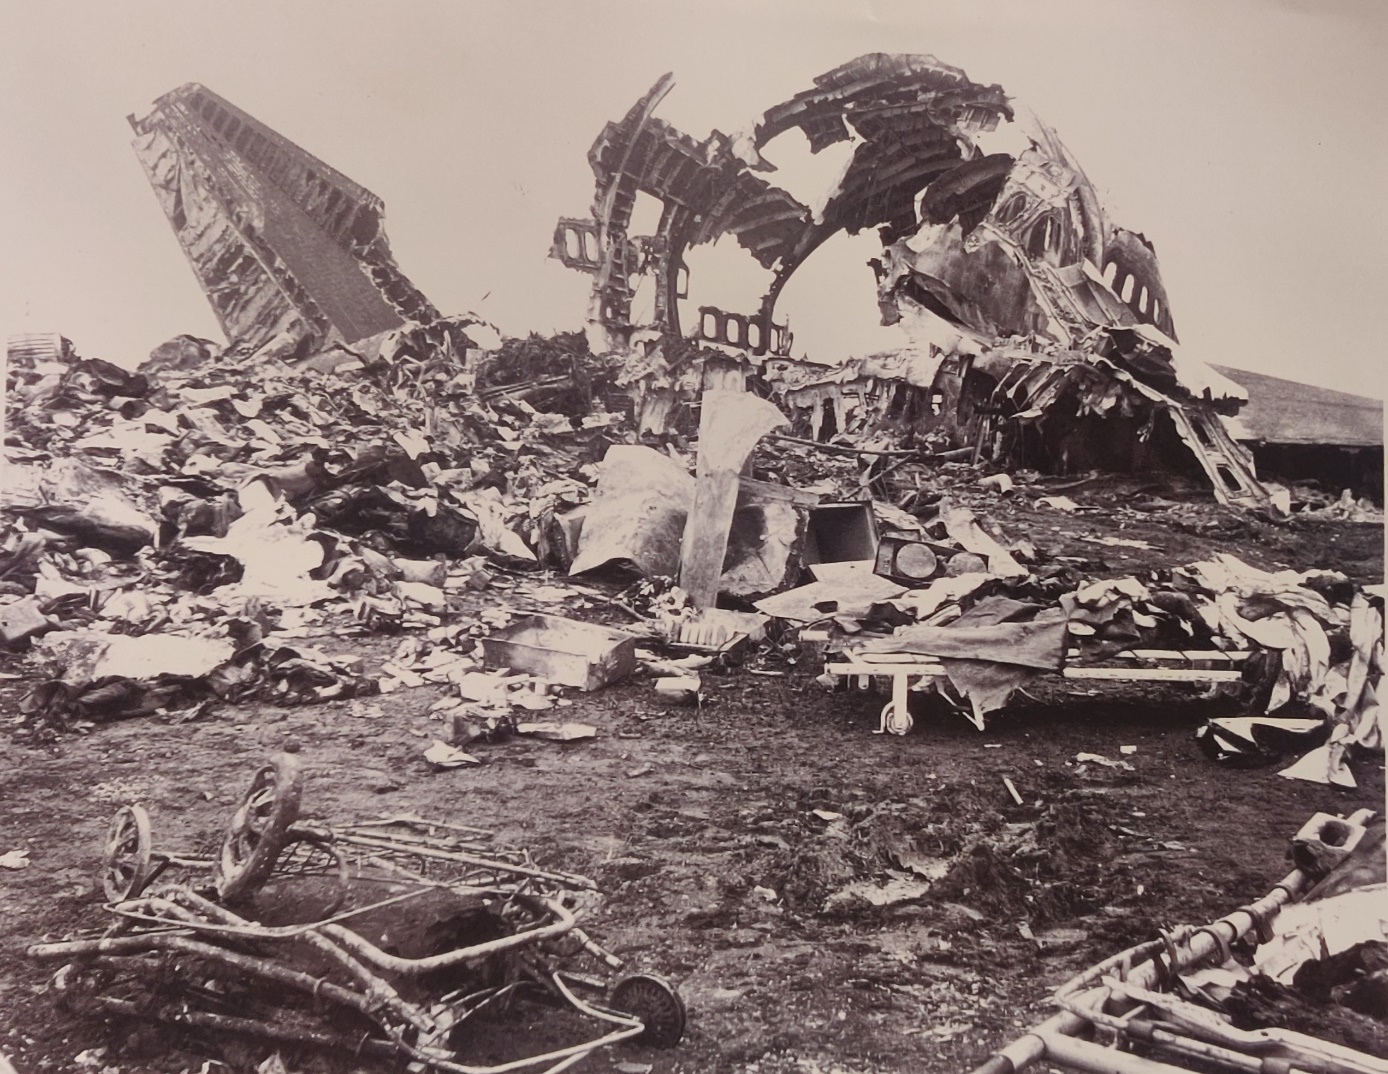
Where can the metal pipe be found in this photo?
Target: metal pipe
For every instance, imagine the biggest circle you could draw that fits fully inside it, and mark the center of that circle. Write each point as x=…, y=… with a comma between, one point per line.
x=378, y=990
x=845, y=449
x=1067, y=1051
x=1035, y=1043
x=122, y=947
x=1031, y=1046
x=249, y=1026
x=363, y=948
x=382, y=843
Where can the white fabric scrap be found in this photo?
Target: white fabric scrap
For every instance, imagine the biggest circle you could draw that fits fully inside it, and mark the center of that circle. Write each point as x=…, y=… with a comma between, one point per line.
x=1317, y=930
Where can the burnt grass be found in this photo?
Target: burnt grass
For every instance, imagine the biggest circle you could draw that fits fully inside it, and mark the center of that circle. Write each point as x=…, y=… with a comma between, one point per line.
x=700, y=826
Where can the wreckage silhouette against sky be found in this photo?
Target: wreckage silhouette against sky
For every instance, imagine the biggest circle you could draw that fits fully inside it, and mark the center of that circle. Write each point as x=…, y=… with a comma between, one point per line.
x=1241, y=140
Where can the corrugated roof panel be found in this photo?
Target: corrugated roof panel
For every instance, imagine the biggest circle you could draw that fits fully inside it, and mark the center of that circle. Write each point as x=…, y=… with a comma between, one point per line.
x=1282, y=411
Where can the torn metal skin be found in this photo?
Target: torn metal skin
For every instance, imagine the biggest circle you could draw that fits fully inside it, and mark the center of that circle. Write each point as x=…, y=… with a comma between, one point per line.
x=641, y=508
x=291, y=253
x=907, y=112
x=994, y=240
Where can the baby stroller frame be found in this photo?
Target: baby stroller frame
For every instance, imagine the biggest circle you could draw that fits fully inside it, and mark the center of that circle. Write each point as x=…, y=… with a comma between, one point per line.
x=290, y=904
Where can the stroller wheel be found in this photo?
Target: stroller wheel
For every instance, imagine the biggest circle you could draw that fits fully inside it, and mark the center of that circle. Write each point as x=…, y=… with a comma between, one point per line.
x=125, y=861
x=260, y=829
x=656, y=1003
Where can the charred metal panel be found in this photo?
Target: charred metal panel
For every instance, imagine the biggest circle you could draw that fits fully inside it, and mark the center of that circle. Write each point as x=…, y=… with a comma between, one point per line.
x=913, y=119
x=966, y=192
x=984, y=289
x=283, y=245
x=1072, y=411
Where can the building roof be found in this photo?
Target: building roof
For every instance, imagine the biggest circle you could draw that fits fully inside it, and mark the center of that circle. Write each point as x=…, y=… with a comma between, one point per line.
x=1287, y=412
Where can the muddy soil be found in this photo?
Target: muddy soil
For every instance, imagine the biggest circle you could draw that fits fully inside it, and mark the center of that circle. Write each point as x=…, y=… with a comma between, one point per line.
x=700, y=826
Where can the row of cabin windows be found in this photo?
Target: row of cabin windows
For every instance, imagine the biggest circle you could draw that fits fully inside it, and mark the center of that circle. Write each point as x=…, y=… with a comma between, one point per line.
x=739, y=330
x=1124, y=289
x=1052, y=234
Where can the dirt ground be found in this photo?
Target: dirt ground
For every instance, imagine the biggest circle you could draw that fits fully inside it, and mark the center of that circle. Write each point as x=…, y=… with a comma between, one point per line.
x=699, y=826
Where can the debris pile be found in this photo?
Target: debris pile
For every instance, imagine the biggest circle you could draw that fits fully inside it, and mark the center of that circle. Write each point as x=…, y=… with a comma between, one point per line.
x=186, y=526
x=388, y=938
x=1307, y=644
x=1040, y=331
x=1045, y=867
x=1295, y=978
x=230, y=508
x=670, y=493
x=176, y=531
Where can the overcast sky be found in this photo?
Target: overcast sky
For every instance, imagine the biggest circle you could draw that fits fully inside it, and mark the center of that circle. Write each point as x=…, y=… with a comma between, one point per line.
x=1245, y=138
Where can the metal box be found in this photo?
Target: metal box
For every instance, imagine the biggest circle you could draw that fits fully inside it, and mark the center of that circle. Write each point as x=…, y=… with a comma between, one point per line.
x=563, y=650
x=839, y=532
x=907, y=559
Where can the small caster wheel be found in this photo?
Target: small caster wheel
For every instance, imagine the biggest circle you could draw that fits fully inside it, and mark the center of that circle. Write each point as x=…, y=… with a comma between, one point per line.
x=656, y=1003
x=894, y=721
x=125, y=868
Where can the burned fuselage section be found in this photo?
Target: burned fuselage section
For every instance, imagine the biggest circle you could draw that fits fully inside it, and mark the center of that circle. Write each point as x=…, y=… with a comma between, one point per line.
x=291, y=254
x=711, y=188
x=997, y=256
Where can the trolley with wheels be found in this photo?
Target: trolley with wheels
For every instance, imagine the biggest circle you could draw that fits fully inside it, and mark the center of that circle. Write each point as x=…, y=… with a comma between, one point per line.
x=399, y=938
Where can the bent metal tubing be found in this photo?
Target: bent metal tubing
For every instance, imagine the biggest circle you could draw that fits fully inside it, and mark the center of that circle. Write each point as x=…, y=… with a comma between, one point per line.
x=368, y=1004
x=560, y=1059
x=369, y=952
x=562, y=921
x=133, y=946
x=1083, y=996
x=180, y=920
x=351, y=837
x=139, y=910
x=1185, y=1027
x=378, y=990
x=378, y=995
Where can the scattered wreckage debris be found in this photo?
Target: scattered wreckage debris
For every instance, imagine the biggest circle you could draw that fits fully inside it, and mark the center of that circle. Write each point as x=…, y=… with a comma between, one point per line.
x=1305, y=645
x=225, y=502
x=730, y=424
x=965, y=850
x=641, y=508
x=241, y=510
x=565, y=651
x=392, y=939
x=175, y=532
x=1040, y=331
x=366, y=452
x=1190, y=1000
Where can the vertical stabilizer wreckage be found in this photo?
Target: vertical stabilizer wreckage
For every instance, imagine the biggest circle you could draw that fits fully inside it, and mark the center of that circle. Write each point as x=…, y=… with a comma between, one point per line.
x=291, y=253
